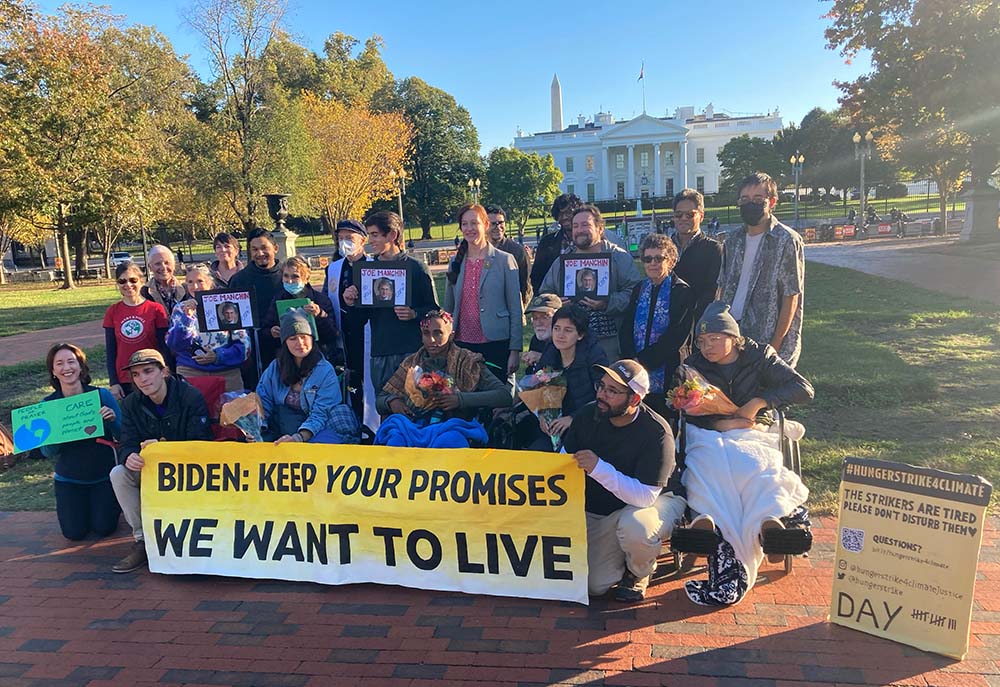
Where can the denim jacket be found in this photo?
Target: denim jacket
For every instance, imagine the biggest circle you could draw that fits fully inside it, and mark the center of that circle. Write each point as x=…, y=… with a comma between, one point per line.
x=320, y=395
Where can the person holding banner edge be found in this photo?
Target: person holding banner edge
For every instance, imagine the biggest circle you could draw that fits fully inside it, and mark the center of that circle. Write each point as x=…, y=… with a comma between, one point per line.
x=85, y=501
x=164, y=408
x=627, y=451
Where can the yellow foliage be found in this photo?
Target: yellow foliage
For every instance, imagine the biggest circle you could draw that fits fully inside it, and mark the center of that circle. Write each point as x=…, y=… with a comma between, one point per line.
x=353, y=155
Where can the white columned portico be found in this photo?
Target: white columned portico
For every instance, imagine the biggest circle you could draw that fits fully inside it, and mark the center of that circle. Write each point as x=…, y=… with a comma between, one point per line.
x=605, y=177
x=630, y=179
x=656, y=170
x=683, y=167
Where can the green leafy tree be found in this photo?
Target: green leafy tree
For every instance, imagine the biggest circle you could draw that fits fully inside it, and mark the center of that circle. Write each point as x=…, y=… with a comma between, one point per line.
x=519, y=181
x=444, y=153
x=351, y=76
x=745, y=155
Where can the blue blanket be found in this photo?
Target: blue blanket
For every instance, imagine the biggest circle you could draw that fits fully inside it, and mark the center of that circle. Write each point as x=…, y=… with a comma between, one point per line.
x=399, y=430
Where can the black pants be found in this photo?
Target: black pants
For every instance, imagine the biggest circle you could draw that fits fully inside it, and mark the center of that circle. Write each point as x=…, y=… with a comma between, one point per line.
x=495, y=353
x=85, y=508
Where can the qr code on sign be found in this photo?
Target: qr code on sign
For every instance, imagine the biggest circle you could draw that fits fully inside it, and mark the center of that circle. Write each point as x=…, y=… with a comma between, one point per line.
x=852, y=540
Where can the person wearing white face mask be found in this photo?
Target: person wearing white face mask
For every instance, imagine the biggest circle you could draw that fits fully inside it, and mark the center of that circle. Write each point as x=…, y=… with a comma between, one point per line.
x=295, y=284
x=351, y=237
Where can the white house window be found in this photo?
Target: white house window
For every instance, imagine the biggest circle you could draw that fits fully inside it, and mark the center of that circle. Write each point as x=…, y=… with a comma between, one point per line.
x=591, y=193
x=669, y=155
x=670, y=188
x=700, y=184
x=570, y=189
x=644, y=160
x=621, y=190
x=569, y=165
x=619, y=160
x=590, y=163
x=699, y=155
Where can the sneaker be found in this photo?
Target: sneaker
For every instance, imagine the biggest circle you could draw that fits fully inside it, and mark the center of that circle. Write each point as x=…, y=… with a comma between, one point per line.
x=771, y=524
x=135, y=559
x=631, y=588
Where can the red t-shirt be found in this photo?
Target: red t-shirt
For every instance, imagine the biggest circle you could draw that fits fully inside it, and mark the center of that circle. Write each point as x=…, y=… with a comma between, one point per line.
x=135, y=327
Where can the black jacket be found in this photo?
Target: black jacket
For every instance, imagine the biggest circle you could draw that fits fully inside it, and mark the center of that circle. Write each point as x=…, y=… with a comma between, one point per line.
x=266, y=284
x=757, y=372
x=185, y=419
x=509, y=245
x=392, y=336
x=548, y=250
x=326, y=327
x=672, y=346
x=699, y=266
x=580, y=375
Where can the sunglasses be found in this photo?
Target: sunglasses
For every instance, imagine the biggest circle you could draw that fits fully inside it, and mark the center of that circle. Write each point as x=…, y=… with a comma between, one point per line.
x=130, y=280
x=685, y=215
x=654, y=258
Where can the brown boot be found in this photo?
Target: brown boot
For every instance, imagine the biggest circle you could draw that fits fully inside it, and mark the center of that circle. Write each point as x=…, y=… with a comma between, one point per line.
x=135, y=559
x=631, y=589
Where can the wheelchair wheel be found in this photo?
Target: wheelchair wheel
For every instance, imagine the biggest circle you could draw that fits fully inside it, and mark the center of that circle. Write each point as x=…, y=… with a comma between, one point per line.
x=788, y=563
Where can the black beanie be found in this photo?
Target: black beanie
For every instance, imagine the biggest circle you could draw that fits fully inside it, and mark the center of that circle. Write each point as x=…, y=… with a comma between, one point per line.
x=717, y=320
x=293, y=322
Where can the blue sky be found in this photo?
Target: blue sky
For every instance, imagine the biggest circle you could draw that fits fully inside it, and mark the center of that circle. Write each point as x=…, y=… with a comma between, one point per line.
x=498, y=59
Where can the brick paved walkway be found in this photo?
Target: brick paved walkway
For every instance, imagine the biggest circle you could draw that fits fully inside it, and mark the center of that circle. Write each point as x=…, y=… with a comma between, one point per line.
x=66, y=621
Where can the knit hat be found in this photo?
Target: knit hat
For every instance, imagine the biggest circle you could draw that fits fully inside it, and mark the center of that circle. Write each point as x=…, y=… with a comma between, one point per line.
x=717, y=320
x=628, y=373
x=544, y=302
x=293, y=322
x=352, y=225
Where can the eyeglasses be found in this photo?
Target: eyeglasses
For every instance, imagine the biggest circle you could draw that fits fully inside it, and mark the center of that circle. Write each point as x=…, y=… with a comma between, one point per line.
x=603, y=388
x=654, y=258
x=498, y=223
x=129, y=280
x=685, y=215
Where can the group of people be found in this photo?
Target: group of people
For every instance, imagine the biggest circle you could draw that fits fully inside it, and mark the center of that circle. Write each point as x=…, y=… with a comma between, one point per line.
x=335, y=370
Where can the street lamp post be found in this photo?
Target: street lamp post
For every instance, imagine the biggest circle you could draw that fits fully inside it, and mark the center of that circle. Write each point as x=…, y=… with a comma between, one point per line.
x=862, y=152
x=399, y=180
x=796, y=161
x=474, y=186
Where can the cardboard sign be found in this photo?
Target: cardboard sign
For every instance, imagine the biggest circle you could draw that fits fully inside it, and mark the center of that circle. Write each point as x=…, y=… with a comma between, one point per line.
x=482, y=521
x=907, y=551
x=838, y=232
x=586, y=276
x=226, y=310
x=382, y=284
x=809, y=233
x=284, y=306
x=849, y=231
x=57, y=421
x=885, y=228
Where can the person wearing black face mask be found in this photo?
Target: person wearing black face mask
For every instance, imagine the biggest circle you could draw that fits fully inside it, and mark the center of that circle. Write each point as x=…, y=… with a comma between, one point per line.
x=763, y=271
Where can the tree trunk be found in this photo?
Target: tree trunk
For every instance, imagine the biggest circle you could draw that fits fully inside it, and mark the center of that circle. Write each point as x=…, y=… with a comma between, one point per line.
x=425, y=226
x=80, y=250
x=62, y=248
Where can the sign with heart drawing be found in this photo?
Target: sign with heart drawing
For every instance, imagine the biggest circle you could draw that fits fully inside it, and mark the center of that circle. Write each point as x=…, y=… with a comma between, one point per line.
x=57, y=421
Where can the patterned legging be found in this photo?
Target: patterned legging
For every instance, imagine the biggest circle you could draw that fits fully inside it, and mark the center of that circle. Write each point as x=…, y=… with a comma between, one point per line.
x=727, y=582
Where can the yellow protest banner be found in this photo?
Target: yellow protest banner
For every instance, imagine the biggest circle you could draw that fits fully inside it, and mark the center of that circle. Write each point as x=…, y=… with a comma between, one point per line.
x=482, y=521
x=907, y=551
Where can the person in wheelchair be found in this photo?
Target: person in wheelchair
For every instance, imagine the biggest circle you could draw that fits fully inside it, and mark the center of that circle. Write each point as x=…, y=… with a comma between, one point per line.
x=473, y=391
x=743, y=496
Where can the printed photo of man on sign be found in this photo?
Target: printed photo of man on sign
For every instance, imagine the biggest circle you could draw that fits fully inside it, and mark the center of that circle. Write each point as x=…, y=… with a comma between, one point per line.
x=224, y=310
x=382, y=286
x=588, y=277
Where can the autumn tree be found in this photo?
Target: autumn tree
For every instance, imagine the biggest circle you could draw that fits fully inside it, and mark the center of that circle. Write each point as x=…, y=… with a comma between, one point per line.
x=445, y=152
x=519, y=181
x=353, y=155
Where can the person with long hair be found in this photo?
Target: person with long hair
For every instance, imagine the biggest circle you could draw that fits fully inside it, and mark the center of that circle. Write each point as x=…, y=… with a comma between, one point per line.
x=131, y=324
x=227, y=258
x=483, y=296
x=300, y=392
x=85, y=501
x=203, y=354
x=295, y=284
x=656, y=329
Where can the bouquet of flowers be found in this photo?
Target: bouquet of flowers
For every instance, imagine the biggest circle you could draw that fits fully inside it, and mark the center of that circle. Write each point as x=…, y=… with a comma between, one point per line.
x=543, y=392
x=695, y=396
x=244, y=412
x=422, y=385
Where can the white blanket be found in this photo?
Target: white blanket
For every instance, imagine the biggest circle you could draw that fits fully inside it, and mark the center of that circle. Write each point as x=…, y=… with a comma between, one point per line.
x=738, y=478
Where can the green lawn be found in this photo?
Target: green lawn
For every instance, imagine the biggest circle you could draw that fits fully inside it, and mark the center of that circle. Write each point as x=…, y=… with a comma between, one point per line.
x=28, y=308
x=900, y=374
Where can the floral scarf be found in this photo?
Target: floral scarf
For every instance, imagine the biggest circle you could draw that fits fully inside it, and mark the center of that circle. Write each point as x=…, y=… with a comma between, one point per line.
x=462, y=364
x=649, y=329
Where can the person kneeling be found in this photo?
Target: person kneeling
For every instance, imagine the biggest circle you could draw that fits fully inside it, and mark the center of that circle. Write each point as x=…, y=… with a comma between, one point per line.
x=300, y=392
x=627, y=451
x=162, y=408
x=467, y=387
x=734, y=471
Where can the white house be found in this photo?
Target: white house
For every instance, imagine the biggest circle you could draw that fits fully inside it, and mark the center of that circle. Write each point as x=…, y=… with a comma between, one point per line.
x=646, y=156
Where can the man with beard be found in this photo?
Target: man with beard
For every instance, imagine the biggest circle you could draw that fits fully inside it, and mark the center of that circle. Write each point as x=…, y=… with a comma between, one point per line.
x=763, y=271
x=498, y=237
x=263, y=276
x=604, y=312
x=627, y=451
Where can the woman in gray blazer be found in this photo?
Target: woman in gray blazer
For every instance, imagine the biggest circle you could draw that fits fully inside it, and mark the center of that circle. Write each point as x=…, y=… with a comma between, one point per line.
x=483, y=295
